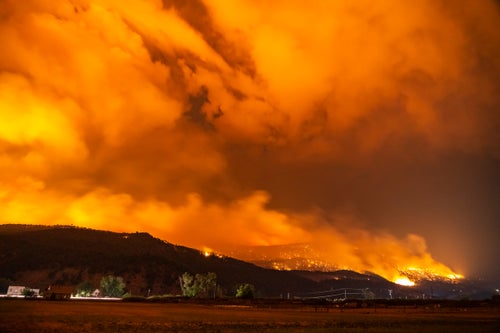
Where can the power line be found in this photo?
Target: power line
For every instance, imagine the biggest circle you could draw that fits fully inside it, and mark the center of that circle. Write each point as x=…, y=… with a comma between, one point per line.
x=342, y=293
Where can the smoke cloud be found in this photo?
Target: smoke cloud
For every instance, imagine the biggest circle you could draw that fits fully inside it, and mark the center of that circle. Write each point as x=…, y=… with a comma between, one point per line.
x=368, y=131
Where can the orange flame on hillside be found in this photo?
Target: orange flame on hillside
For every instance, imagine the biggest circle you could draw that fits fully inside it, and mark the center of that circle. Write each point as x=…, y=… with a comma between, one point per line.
x=403, y=261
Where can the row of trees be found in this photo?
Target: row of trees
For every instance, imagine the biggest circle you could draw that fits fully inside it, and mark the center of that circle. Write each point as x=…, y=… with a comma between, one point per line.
x=110, y=286
x=198, y=285
x=205, y=286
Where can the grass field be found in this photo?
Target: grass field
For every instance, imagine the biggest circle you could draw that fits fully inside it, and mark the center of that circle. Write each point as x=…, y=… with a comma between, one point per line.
x=86, y=316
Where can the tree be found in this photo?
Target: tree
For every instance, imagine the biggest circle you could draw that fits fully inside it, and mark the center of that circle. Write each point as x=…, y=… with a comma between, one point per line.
x=246, y=291
x=84, y=289
x=187, y=281
x=206, y=284
x=201, y=285
x=112, y=286
x=28, y=293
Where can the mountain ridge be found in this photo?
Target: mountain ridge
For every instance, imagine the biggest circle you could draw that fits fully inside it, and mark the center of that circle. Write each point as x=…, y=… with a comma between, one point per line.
x=38, y=256
x=68, y=255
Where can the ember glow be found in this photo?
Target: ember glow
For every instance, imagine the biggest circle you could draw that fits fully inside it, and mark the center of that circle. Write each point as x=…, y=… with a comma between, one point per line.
x=360, y=135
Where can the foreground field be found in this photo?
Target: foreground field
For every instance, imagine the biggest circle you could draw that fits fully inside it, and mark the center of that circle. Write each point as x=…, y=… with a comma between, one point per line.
x=73, y=316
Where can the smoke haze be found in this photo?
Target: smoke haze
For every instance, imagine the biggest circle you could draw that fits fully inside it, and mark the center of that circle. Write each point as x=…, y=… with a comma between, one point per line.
x=368, y=130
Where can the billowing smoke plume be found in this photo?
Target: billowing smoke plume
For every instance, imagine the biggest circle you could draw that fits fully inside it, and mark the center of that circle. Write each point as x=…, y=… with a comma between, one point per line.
x=247, y=123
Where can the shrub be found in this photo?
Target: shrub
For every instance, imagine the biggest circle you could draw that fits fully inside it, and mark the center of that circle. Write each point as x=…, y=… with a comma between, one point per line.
x=245, y=291
x=28, y=293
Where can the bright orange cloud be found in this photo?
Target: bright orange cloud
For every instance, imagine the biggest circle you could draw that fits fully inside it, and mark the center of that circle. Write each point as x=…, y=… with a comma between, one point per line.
x=186, y=119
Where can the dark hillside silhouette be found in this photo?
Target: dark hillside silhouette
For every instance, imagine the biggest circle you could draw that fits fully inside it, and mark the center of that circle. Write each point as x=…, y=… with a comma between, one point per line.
x=39, y=256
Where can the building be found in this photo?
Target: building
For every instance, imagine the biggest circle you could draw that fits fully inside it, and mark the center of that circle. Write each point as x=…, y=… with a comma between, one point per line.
x=17, y=291
x=59, y=292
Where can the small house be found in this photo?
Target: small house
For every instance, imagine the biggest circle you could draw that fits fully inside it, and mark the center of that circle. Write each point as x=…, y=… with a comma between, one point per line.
x=18, y=291
x=15, y=291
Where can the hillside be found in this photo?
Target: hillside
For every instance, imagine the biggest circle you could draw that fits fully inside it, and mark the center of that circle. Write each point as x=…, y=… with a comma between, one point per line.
x=39, y=256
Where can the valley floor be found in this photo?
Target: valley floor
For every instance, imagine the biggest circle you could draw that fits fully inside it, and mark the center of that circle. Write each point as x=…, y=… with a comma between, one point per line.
x=19, y=315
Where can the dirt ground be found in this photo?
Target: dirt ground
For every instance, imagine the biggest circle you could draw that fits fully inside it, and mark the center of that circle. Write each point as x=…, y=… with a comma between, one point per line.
x=86, y=316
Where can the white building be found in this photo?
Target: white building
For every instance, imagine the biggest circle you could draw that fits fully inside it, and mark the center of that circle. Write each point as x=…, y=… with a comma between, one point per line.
x=17, y=291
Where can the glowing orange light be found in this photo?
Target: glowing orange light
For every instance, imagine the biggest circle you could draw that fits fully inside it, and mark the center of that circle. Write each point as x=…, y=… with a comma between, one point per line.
x=404, y=281
x=207, y=252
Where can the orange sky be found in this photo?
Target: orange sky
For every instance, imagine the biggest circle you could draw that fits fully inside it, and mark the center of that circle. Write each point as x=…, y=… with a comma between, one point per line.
x=368, y=130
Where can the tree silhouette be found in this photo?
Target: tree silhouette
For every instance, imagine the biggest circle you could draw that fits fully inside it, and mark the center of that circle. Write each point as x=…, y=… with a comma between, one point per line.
x=84, y=289
x=112, y=286
x=245, y=290
x=201, y=285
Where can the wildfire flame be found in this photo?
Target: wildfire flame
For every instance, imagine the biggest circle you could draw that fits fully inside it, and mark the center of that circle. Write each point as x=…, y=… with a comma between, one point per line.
x=207, y=252
x=405, y=262
x=184, y=118
x=404, y=281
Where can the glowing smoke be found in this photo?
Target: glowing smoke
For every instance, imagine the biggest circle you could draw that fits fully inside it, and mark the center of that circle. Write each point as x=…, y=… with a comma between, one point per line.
x=171, y=118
